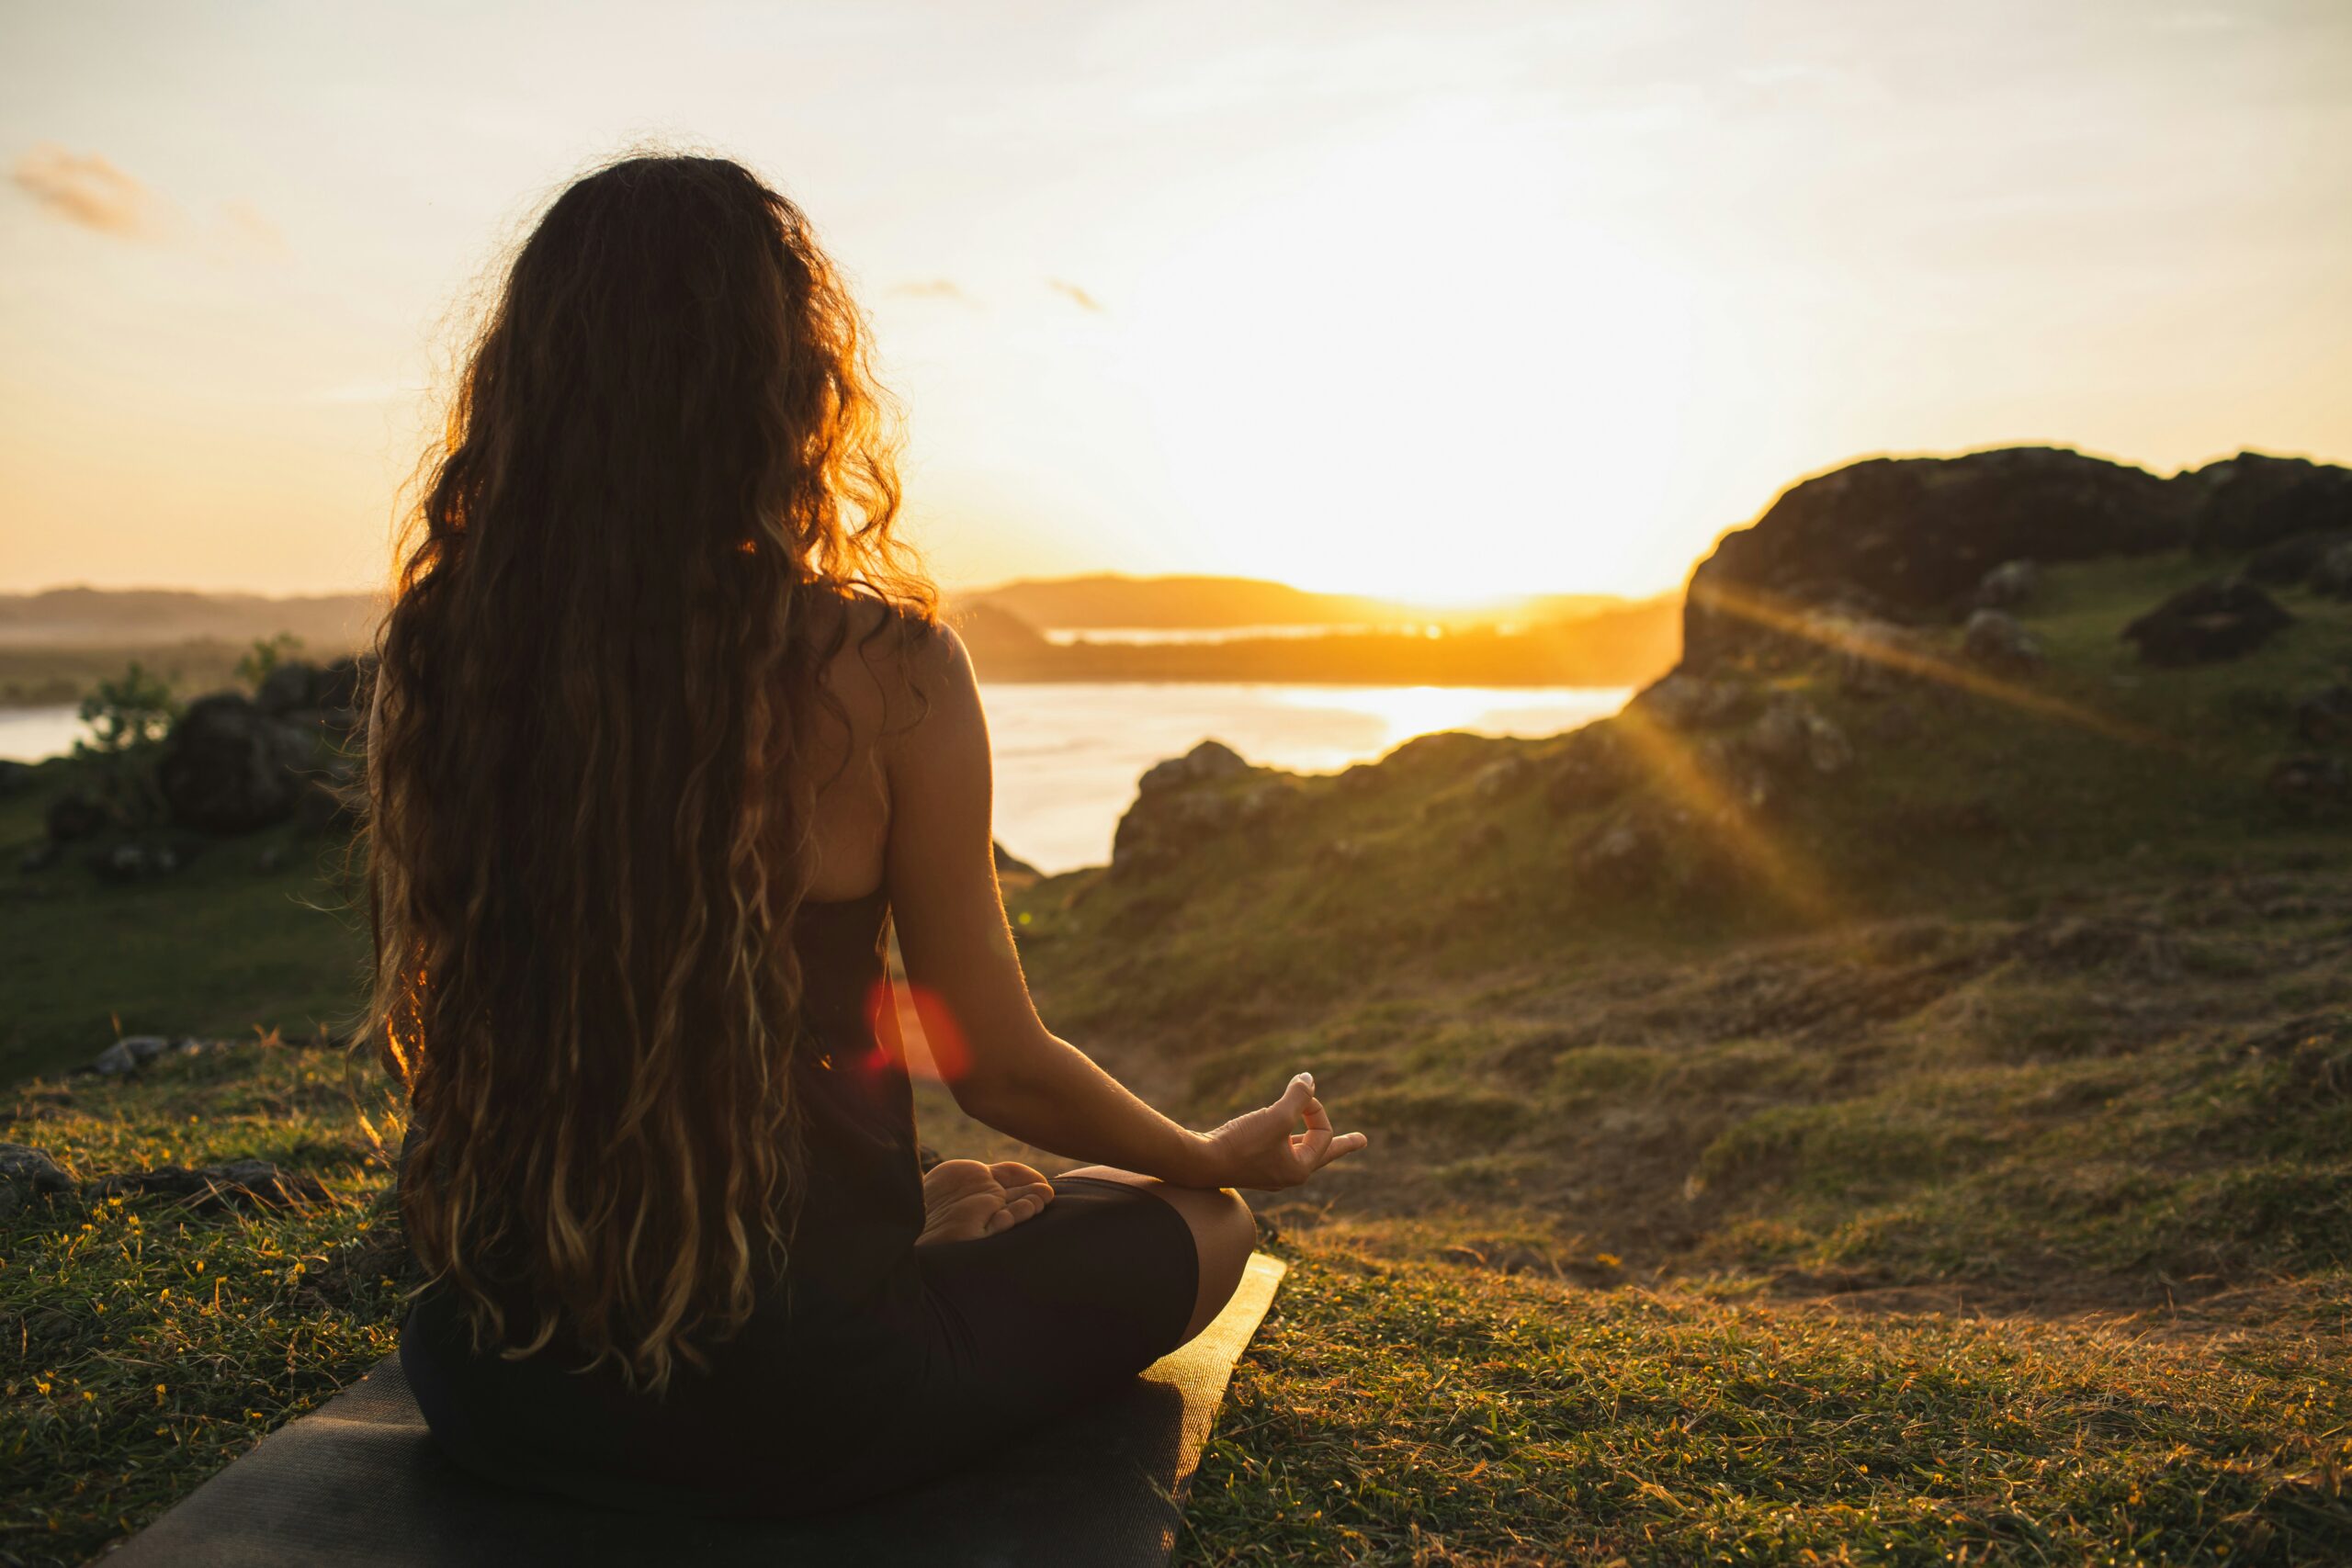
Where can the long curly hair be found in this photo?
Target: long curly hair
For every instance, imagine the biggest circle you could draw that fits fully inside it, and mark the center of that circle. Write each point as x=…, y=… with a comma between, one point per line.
x=666, y=472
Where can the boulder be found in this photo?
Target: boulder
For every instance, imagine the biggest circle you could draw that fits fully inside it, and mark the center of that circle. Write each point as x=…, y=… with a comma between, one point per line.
x=28, y=1176
x=2009, y=585
x=75, y=815
x=1693, y=702
x=1209, y=760
x=2324, y=718
x=1507, y=777
x=1621, y=856
x=1188, y=801
x=329, y=692
x=1593, y=767
x=2290, y=560
x=2254, y=500
x=2332, y=573
x=1995, y=640
x=135, y=860
x=2313, y=783
x=1793, y=735
x=1913, y=538
x=228, y=767
x=2223, y=617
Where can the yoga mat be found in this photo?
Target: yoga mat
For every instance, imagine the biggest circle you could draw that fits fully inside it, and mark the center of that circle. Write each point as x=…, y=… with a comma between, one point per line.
x=358, y=1483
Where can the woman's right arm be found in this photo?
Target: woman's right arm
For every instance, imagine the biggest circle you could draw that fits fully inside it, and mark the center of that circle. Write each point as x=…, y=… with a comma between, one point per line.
x=1015, y=1075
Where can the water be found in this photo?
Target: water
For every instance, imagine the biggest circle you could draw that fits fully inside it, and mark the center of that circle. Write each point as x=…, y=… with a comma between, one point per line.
x=1067, y=755
x=27, y=735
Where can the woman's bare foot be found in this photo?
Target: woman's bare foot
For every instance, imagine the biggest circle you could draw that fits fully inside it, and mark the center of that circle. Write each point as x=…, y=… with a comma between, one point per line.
x=964, y=1200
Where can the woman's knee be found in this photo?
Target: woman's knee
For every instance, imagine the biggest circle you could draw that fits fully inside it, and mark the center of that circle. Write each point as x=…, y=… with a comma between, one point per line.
x=1223, y=1234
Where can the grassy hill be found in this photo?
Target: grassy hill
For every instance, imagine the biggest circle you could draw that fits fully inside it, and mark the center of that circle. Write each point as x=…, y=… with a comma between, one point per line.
x=1863, y=1105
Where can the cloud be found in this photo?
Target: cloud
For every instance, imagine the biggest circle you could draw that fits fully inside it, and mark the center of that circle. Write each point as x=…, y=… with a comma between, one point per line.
x=1074, y=295
x=252, y=231
x=935, y=288
x=85, y=188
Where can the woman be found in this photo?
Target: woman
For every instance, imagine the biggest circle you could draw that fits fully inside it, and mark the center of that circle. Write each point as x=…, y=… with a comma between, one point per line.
x=665, y=732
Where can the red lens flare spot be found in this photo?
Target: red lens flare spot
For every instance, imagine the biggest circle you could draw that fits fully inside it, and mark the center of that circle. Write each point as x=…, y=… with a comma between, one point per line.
x=918, y=1022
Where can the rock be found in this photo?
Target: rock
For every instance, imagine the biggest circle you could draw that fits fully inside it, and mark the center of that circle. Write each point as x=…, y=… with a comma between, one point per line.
x=2254, y=499
x=28, y=1176
x=1620, y=856
x=328, y=693
x=1594, y=767
x=2009, y=585
x=1870, y=657
x=243, y=1183
x=135, y=860
x=75, y=815
x=328, y=803
x=2223, y=617
x=228, y=767
x=1009, y=864
x=1209, y=760
x=1995, y=640
x=1692, y=702
x=1179, y=806
x=286, y=688
x=1913, y=538
x=1794, y=734
x=144, y=1047
x=114, y=1060
x=2313, y=783
x=1508, y=776
x=2290, y=560
x=39, y=856
x=2332, y=573
x=2324, y=718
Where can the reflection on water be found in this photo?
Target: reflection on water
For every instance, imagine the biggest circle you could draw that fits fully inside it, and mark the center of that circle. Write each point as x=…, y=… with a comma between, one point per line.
x=1067, y=755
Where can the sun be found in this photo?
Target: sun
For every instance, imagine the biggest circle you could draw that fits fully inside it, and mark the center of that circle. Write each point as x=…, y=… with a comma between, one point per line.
x=1412, y=369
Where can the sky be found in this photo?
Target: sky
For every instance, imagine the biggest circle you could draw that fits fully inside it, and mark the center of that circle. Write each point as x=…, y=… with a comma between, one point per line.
x=1446, y=301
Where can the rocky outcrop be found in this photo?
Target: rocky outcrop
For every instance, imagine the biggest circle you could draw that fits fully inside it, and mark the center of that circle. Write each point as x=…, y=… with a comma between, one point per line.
x=2253, y=500
x=1187, y=802
x=229, y=767
x=317, y=693
x=2009, y=585
x=2292, y=559
x=1995, y=640
x=2223, y=617
x=1913, y=538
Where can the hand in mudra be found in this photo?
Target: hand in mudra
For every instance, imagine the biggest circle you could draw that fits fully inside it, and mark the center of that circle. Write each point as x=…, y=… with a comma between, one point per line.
x=1259, y=1149
x=964, y=1200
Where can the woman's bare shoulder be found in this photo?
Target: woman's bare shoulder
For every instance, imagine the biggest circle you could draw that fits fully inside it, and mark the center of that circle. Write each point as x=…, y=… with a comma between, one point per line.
x=892, y=660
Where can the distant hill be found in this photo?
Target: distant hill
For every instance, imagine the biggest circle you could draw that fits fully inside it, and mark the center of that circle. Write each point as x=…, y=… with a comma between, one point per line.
x=1111, y=600
x=1623, y=644
x=91, y=617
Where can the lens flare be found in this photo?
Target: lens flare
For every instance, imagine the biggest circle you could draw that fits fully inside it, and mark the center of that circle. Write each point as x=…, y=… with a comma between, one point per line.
x=918, y=1023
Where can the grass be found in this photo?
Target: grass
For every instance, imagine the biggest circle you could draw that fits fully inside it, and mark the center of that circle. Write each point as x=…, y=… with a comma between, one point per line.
x=230, y=943
x=1414, y=1413
x=1397, y=1408
x=147, y=1343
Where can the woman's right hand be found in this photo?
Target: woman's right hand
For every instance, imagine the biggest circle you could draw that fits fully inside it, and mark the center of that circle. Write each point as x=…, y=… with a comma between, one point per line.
x=1259, y=1150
